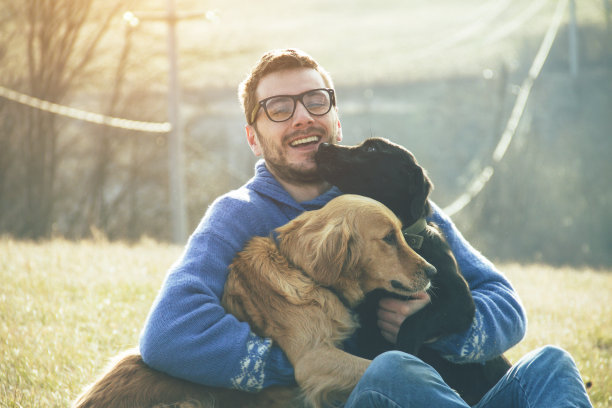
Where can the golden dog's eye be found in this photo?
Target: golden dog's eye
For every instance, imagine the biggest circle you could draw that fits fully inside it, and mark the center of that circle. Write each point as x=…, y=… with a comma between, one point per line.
x=390, y=238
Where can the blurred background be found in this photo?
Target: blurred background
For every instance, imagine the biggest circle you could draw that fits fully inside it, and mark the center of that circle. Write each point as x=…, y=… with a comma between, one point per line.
x=457, y=83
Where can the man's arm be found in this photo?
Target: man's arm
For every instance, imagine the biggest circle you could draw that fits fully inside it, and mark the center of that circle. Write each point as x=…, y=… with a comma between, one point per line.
x=189, y=335
x=500, y=320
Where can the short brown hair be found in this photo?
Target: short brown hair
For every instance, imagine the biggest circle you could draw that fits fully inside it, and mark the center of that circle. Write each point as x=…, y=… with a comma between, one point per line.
x=273, y=61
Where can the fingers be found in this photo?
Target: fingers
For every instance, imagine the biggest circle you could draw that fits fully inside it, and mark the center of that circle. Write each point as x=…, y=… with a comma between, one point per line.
x=392, y=313
x=405, y=308
x=388, y=331
x=395, y=315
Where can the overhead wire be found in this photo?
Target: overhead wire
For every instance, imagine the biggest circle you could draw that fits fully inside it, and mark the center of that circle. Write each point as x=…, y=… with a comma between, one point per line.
x=79, y=114
x=478, y=183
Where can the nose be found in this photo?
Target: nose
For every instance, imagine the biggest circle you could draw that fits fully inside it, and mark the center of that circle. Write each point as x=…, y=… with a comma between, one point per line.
x=301, y=115
x=430, y=270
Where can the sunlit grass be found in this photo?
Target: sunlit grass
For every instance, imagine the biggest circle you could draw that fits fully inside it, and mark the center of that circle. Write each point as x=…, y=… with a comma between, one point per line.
x=570, y=308
x=66, y=308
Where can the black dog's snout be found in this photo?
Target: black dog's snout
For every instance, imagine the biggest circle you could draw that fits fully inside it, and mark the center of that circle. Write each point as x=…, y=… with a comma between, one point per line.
x=324, y=145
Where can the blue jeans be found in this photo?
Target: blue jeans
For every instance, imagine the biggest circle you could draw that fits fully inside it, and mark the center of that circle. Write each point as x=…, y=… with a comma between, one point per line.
x=544, y=378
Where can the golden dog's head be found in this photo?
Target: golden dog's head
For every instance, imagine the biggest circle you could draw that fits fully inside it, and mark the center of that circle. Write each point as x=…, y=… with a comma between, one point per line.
x=354, y=245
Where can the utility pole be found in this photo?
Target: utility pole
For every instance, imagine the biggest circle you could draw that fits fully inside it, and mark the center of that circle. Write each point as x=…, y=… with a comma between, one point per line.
x=175, y=137
x=176, y=178
x=573, y=41
x=607, y=10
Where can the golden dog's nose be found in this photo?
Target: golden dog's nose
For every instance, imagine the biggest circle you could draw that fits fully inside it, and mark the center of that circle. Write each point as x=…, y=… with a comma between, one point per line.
x=429, y=270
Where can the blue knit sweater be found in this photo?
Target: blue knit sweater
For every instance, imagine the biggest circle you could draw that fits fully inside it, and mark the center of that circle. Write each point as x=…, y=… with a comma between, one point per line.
x=188, y=334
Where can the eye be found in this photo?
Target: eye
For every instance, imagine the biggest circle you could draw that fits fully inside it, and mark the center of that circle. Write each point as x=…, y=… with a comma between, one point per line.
x=390, y=238
x=370, y=148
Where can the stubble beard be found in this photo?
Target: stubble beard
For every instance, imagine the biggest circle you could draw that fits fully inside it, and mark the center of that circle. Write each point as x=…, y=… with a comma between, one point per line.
x=304, y=173
x=294, y=173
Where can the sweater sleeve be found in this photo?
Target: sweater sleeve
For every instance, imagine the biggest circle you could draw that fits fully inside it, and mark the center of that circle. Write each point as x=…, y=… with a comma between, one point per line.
x=500, y=321
x=189, y=335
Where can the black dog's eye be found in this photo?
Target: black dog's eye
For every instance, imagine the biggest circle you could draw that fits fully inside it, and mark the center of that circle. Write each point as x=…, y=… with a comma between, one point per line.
x=390, y=238
x=370, y=148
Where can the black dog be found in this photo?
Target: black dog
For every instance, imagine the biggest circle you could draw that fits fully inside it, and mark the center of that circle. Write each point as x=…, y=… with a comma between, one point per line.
x=391, y=175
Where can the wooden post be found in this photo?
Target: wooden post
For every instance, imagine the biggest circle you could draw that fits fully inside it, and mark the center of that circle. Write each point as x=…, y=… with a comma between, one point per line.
x=607, y=11
x=176, y=182
x=175, y=137
x=573, y=40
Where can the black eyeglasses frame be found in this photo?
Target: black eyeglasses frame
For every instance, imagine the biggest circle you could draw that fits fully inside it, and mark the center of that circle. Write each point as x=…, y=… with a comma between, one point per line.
x=296, y=98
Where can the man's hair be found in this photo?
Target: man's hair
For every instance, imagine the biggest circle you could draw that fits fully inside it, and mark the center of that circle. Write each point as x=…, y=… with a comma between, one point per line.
x=273, y=61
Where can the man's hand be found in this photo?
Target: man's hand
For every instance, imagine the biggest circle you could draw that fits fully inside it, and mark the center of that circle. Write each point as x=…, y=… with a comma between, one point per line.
x=392, y=313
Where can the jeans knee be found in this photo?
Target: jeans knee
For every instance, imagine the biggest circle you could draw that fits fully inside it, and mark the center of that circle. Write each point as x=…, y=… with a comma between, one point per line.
x=397, y=364
x=548, y=364
x=553, y=357
x=396, y=379
x=393, y=357
x=393, y=360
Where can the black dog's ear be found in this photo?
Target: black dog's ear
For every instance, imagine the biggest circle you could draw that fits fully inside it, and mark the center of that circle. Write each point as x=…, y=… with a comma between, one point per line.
x=419, y=207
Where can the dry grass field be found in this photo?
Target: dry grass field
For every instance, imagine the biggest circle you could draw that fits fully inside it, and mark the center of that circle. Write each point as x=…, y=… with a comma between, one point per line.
x=66, y=308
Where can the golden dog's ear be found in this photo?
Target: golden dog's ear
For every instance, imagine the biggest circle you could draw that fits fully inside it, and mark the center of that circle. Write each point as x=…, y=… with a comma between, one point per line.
x=324, y=250
x=332, y=253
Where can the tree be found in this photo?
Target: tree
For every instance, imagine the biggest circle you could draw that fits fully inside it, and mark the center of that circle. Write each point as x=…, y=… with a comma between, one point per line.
x=53, y=42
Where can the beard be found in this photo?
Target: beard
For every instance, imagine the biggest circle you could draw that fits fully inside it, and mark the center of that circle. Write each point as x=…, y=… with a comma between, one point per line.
x=294, y=173
x=302, y=172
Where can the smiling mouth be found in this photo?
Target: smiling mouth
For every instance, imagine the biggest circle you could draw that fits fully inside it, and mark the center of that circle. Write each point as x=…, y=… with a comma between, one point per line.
x=305, y=141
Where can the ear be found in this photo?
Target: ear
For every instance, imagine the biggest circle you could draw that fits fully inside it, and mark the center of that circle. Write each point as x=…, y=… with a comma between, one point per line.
x=324, y=251
x=339, y=134
x=419, y=207
x=251, y=135
x=332, y=254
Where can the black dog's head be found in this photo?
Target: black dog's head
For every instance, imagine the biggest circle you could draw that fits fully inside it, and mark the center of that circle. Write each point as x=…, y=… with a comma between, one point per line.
x=380, y=170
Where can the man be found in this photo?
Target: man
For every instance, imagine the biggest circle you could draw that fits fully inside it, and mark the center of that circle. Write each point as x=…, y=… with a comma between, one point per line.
x=290, y=108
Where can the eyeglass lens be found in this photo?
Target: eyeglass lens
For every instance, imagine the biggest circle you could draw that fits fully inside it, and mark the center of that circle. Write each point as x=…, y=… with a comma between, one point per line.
x=281, y=108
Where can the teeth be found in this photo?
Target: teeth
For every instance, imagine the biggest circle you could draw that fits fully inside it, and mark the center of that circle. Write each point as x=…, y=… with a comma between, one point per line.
x=305, y=140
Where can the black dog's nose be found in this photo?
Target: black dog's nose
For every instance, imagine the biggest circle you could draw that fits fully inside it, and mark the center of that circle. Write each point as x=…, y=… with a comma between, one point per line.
x=324, y=145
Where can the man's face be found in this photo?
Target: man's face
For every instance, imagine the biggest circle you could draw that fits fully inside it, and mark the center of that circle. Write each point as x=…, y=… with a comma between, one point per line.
x=289, y=147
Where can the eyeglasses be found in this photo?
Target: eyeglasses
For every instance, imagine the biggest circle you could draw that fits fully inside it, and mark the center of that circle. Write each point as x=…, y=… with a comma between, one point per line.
x=280, y=108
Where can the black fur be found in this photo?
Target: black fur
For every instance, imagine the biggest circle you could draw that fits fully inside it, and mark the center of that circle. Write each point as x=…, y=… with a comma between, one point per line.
x=390, y=174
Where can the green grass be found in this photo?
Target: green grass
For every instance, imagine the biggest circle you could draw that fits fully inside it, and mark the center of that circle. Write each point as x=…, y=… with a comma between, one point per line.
x=66, y=308
x=570, y=308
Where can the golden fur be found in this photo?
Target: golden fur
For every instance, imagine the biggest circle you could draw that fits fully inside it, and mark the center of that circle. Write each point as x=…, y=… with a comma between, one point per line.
x=297, y=290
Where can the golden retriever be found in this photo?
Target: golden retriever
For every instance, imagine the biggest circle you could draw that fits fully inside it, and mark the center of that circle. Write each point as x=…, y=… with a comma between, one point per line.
x=298, y=288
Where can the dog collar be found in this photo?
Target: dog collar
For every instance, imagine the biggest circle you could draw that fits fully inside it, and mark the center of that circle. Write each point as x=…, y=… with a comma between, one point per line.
x=411, y=233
